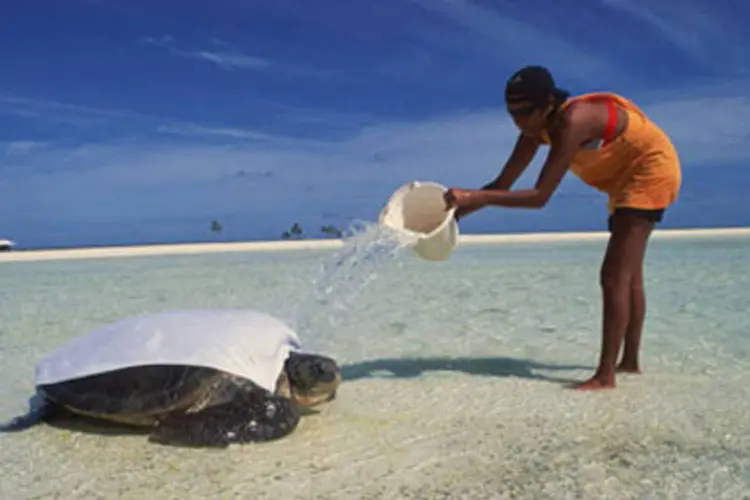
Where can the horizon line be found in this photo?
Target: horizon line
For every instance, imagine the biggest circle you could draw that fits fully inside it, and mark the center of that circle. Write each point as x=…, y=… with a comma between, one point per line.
x=115, y=251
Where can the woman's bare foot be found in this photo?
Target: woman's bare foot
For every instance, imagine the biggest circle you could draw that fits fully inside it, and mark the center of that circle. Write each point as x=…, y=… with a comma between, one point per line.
x=596, y=383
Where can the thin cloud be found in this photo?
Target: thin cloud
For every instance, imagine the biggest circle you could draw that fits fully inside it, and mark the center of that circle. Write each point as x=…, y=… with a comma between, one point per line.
x=197, y=130
x=708, y=35
x=20, y=148
x=510, y=38
x=703, y=30
x=49, y=109
x=145, y=125
x=225, y=59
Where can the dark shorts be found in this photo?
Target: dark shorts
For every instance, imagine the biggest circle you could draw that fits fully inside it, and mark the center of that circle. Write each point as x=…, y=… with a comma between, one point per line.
x=654, y=216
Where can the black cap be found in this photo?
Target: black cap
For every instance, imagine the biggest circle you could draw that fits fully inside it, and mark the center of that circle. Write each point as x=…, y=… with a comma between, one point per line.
x=532, y=83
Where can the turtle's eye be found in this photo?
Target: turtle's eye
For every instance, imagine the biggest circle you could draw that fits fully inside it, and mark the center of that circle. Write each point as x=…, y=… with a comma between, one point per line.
x=326, y=370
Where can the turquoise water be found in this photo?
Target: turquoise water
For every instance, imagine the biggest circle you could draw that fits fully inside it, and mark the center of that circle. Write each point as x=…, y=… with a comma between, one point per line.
x=454, y=371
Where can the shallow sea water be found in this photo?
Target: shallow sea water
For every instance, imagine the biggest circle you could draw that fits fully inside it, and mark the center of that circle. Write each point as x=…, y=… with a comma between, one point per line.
x=455, y=378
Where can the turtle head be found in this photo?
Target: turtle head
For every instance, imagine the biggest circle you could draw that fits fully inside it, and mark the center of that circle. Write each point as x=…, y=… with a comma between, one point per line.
x=310, y=379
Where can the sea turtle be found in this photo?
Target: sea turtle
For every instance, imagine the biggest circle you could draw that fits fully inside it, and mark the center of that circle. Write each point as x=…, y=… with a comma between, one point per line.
x=194, y=377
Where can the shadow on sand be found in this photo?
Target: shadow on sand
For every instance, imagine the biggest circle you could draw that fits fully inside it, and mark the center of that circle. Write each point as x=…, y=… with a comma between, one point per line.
x=59, y=418
x=87, y=425
x=496, y=367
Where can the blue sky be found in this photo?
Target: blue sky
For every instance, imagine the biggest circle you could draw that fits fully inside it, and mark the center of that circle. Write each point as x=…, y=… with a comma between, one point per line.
x=130, y=121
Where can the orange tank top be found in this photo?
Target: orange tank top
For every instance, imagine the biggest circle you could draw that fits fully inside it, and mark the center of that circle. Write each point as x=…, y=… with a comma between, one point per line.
x=607, y=163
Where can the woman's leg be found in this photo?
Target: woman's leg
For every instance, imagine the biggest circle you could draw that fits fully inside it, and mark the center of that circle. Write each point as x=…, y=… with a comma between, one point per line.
x=629, y=362
x=622, y=261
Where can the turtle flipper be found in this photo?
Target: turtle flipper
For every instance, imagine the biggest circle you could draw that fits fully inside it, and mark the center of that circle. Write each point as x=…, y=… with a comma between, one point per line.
x=40, y=409
x=255, y=416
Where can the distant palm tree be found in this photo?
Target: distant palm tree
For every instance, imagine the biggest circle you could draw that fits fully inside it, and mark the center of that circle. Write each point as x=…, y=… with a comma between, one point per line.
x=331, y=230
x=295, y=232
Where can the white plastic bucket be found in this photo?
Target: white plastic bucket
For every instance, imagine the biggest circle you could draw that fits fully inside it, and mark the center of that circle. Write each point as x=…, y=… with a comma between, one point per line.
x=419, y=208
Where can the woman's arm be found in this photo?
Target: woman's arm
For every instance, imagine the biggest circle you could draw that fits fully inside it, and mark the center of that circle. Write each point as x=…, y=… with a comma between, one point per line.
x=523, y=152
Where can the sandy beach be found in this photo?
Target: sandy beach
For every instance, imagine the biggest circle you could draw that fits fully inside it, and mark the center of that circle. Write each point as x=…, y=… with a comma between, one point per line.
x=323, y=244
x=451, y=392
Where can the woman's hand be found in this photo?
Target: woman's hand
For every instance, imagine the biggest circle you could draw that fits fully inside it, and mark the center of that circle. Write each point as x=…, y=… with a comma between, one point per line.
x=464, y=200
x=460, y=198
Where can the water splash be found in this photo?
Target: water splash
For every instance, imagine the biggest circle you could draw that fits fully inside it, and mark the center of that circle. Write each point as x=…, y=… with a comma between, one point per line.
x=344, y=275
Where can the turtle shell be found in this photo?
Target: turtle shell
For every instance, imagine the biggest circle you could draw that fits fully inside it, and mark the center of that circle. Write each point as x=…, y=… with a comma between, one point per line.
x=138, y=395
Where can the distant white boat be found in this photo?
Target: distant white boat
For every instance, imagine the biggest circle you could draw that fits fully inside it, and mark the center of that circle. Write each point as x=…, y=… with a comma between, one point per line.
x=6, y=245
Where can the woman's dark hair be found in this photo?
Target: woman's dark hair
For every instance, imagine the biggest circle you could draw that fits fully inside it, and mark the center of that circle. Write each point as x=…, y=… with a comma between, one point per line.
x=533, y=84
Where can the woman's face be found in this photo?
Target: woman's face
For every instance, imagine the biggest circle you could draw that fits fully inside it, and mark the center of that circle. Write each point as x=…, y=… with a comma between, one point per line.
x=530, y=118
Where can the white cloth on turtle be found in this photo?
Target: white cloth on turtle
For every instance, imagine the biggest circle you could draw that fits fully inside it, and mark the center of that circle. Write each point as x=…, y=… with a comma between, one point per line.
x=247, y=343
